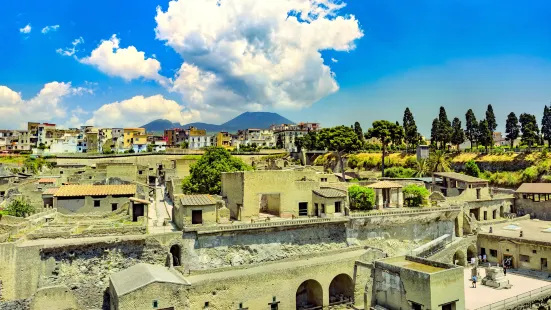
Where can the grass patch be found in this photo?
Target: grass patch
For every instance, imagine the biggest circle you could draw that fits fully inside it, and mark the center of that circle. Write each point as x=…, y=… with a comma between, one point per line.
x=196, y=157
x=19, y=160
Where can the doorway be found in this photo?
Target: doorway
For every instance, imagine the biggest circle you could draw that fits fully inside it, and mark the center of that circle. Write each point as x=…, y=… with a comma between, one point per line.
x=176, y=255
x=270, y=203
x=196, y=217
x=137, y=211
x=114, y=206
x=543, y=263
x=302, y=209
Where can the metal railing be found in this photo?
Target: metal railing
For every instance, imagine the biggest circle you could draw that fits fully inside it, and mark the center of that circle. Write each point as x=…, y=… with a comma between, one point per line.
x=519, y=299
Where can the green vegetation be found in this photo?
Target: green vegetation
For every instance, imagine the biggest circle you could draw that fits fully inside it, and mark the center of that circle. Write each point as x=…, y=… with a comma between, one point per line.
x=471, y=168
x=35, y=165
x=205, y=174
x=13, y=159
x=415, y=195
x=197, y=157
x=530, y=174
x=386, y=132
x=340, y=140
x=20, y=207
x=274, y=156
x=361, y=198
x=400, y=172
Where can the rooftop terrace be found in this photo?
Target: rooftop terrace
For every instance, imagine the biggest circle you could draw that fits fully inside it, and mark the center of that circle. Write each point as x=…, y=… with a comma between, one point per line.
x=532, y=230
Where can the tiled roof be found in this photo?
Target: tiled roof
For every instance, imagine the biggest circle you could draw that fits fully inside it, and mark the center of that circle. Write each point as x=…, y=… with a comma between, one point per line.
x=197, y=200
x=95, y=190
x=534, y=188
x=329, y=193
x=140, y=275
x=47, y=180
x=50, y=191
x=385, y=184
x=460, y=177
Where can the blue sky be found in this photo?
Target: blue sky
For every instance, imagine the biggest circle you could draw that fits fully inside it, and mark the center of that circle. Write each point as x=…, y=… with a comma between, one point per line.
x=390, y=55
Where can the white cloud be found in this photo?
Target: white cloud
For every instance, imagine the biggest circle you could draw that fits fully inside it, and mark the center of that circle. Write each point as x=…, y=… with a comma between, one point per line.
x=26, y=29
x=127, y=63
x=247, y=53
x=82, y=90
x=334, y=60
x=49, y=28
x=139, y=110
x=45, y=106
x=70, y=51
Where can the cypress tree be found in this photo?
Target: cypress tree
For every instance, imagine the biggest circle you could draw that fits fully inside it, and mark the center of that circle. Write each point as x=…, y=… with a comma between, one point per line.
x=434, y=133
x=471, y=126
x=546, y=124
x=485, y=134
x=529, y=129
x=444, y=128
x=512, y=128
x=410, y=129
x=358, y=130
x=458, y=136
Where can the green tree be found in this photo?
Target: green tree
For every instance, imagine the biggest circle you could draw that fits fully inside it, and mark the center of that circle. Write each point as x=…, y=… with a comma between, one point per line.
x=439, y=161
x=415, y=195
x=471, y=127
x=362, y=198
x=410, y=129
x=491, y=119
x=310, y=141
x=382, y=130
x=279, y=142
x=512, y=128
x=434, y=133
x=458, y=135
x=299, y=141
x=529, y=129
x=546, y=125
x=150, y=148
x=358, y=130
x=184, y=145
x=397, y=135
x=20, y=207
x=205, y=174
x=444, y=128
x=340, y=140
x=485, y=136
x=422, y=168
x=471, y=168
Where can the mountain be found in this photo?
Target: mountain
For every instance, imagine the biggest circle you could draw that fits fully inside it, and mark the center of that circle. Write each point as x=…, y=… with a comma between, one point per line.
x=243, y=121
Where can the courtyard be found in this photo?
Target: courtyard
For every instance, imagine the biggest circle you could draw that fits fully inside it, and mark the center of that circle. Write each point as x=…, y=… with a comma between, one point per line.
x=481, y=296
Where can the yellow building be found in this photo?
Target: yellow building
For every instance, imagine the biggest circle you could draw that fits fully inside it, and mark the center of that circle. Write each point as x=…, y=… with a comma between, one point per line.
x=223, y=139
x=134, y=136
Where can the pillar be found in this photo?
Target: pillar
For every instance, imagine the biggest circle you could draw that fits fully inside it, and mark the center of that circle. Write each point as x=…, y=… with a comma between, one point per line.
x=400, y=195
x=380, y=201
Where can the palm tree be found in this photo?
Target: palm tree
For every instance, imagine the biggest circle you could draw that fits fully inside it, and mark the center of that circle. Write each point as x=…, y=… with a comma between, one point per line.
x=439, y=161
x=421, y=168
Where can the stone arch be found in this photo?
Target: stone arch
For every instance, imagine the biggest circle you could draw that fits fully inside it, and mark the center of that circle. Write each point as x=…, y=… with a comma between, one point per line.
x=341, y=290
x=459, y=258
x=471, y=252
x=309, y=295
x=501, y=213
x=176, y=252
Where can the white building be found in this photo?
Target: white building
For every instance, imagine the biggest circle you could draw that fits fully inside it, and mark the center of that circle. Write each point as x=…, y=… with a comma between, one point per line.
x=159, y=146
x=289, y=132
x=260, y=137
x=67, y=144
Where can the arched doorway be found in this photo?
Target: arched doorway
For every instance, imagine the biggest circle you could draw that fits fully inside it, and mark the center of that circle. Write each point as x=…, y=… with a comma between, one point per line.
x=501, y=214
x=471, y=252
x=459, y=258
x=309, y=295
x=341, y=290
x=176, y=255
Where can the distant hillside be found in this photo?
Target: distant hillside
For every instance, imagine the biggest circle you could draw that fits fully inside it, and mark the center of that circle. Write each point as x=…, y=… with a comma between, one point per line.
x=243, y=121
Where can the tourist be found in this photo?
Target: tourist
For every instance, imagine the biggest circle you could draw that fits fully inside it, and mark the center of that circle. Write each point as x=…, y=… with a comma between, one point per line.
x=504, y=270
x=474, y=281
x=490, y=229
x=484, y=257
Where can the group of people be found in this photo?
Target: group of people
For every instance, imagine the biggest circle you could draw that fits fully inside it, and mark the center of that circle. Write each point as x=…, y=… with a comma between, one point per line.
x=507, y=263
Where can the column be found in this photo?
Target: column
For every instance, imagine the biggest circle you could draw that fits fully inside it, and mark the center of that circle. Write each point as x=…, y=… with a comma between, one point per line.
x=380, y=201
x=400, y=198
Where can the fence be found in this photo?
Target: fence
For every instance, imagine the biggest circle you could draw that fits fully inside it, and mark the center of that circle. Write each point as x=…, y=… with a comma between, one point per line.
x=527, y=297
x=297, y=222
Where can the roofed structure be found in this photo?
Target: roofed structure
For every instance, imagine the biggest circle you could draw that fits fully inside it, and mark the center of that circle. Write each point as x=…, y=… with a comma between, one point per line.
x=47, y=180
x=142, y=274
x=460, y=177
x=50, y=191
x=385, y=184
x=197, y=200
x=329, y=193
x=95, y=190
x=534, y=188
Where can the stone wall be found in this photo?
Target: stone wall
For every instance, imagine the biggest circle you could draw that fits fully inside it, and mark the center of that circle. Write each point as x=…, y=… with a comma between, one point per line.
x=538, y=210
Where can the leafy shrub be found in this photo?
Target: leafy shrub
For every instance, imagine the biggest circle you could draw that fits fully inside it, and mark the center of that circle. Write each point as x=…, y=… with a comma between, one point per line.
x=471, y=168
x=361, y=197
x=530, y=174
x=415, y=195
x=399, y=172
x=20, y=207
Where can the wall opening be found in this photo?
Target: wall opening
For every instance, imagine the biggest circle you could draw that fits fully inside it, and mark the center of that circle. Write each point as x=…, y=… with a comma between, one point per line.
x=176, y=255
x=501, y=212
x=302, y=209
x=309, y=295
x=459, y=258
x=137, y=211
x=270, y=203
x=471, y=253
x=341, y=290
x=196, y=217
x=457, y=227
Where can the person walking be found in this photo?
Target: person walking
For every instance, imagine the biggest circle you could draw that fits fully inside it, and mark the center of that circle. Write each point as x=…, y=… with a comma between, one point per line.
x=474, y=281
x=504, y=270
x=484, y=257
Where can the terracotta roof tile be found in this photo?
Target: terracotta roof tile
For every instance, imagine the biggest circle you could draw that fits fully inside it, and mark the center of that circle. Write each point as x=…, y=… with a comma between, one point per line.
x=385, y=184
x=329, y=193
x=197, y=200
x=47, y=180
x=50, y=191
x=95, y=190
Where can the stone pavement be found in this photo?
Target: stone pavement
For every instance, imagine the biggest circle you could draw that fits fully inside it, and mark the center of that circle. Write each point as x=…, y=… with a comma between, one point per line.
x=160, y=210
x=484, y=295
